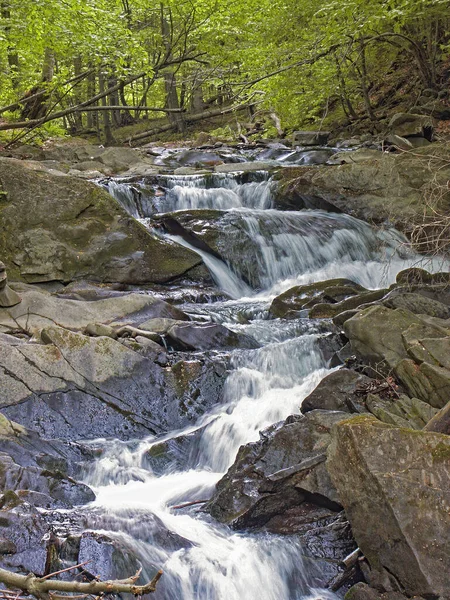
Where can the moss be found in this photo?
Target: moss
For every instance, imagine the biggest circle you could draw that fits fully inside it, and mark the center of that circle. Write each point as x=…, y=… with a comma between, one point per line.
x=441, y=452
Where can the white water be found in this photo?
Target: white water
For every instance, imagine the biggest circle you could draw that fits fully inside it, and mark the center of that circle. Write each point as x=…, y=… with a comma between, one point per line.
x=264, y=387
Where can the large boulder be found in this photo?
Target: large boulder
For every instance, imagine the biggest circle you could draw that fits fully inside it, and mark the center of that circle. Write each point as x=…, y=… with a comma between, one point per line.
x=282, y=470
x=207, y=336
x=73, y=386
x=395, y=487
x=63, y=228
x=409, y=125
x=341, y=390
x=384, y=188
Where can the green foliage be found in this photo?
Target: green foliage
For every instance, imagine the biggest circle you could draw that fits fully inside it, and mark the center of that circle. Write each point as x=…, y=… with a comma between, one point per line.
x=319, y=53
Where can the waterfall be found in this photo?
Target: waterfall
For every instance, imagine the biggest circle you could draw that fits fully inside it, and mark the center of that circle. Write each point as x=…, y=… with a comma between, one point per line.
x=274, y=250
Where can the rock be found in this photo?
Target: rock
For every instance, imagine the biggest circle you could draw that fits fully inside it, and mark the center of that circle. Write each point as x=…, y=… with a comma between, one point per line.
x=408, y=125
x=417, y=304
x=415, y=276
x=78, y=387
x=360, y=155
x=440, y=423
x=24, y=527
x=89, y=166
x=39, y=309
x=401, y=411
x=64, y=491
x=326, y=310
x=398, y=522
x=287, y=304
x=388, y=187
x=375, y=334
x=310, y=138
x=361, y=591
x=89, y=237
x=8, y=297
x=338, y=391
x=174, y=454
x=120, y=158
x=189, y=171
x=399, y=142
x=283, y=469
x=430, y=383
x=246, y=167
x=106, y=559
x=207, y=336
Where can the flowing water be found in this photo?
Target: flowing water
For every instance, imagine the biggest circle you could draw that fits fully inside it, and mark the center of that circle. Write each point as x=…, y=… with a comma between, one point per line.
x=202, y=559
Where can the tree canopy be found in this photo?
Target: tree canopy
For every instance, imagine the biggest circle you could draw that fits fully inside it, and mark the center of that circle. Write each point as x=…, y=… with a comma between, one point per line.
x=297, y=58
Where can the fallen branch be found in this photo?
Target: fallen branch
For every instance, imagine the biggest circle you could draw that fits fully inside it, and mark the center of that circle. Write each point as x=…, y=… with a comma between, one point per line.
x=192, y=119
x=186, y=504
x=41, y=587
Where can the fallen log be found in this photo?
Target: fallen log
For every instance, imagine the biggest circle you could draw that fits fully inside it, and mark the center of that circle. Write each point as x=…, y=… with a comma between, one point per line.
x=207, y=114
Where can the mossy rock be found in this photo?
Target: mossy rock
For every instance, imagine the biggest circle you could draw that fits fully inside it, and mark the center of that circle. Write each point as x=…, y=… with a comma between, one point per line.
x=63, y=228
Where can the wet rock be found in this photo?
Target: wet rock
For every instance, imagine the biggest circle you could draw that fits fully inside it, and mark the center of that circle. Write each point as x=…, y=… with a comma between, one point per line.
x=24, y=527
x=310, y=138
x=64, y=491
x=106, y=558
x=89, y=237
x=84, y=387
x=327, y=310
x=207, y=336
x=287, y=304
x=338, y=391
x=283, y=469
x=174, y=454
x=398, y=522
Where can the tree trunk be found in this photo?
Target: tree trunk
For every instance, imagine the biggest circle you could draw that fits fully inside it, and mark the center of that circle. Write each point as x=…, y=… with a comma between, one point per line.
x=109, y=139
x=172, y=102
x=364, y=82
x=92, y=117
x=77, y=66
x=12, y=56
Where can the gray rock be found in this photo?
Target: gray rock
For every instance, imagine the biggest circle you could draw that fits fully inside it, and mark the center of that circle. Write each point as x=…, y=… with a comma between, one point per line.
x=399, y=522
x=89, y=237
x=283, y=469
x=310, y=138
x=338, y=391
x=407, y=125
x=207, y=336
x=86, y=387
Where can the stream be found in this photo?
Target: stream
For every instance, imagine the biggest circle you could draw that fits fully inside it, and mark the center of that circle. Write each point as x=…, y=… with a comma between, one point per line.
x=202, y=559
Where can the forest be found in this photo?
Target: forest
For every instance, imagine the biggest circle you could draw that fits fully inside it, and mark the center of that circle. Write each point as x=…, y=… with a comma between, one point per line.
x=98, y=65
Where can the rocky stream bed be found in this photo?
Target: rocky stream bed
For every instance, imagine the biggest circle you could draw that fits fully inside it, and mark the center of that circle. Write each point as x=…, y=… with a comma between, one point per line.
x=218, y=370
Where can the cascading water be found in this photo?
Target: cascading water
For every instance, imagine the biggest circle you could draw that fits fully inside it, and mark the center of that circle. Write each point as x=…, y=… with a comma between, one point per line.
x=200, y=558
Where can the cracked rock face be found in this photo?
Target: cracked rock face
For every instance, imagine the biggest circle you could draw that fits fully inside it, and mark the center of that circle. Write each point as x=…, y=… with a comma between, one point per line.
x=76, y=386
